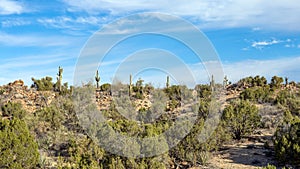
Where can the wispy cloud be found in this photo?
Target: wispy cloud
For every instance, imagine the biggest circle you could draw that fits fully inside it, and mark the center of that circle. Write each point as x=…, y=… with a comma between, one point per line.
x=262, y=44
x=33, y=40
x=229, y=13
x=73, y=23
x=31, y=61
x=29, y=66
x=8, y=7
x=268, y=68
x=10, y=22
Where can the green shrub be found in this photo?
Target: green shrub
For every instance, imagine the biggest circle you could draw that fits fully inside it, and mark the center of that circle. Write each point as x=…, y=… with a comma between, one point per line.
x=289, y=100
x=105, y=87
x=287, y=142
x=269, y=167
x=44, y=84
x=257, y=94
x=65, y=89
x=254, y=81
x=13, y=110
x=203, y=91
x=241, y=118
x=2, y=91
x=84, y=153
x=276, y=82
x=51, y=115
x=17, y=147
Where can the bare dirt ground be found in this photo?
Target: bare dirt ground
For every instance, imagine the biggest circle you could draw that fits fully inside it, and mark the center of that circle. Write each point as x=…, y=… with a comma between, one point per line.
x=250, y=153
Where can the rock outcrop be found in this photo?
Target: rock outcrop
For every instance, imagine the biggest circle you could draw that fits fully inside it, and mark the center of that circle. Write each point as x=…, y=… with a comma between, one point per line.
x=30, y=98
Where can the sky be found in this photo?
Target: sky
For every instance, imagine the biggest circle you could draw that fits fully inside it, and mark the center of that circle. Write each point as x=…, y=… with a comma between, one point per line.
x=250, y=37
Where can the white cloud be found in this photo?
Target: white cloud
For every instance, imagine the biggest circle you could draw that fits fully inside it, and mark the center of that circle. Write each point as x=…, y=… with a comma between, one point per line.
x=36, y=66
x=256, y=29
x=72, y=23
x=268, y=68
x=261, y=44
x=14, y=22
x=287, y=46
x=8, y=7
x=33, y=40
x=277, y=14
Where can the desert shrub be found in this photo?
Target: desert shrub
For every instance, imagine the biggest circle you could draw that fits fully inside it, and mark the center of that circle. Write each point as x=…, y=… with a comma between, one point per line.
x=2, y=91
x=289, y=100
x=148, y=88
x=276, y=82
x=254, y=81
x=43, y=84
x=191, y=150
x=138, y=89
x=65, y=89
x=203, y=91
x=106, y=87
x=84, y=153
x=241, y=118
x=175, y=93
x=256, y=94
x=269, y=167
x=13, y=110
x=51, y=115
x=17, y=147
x=287, y=140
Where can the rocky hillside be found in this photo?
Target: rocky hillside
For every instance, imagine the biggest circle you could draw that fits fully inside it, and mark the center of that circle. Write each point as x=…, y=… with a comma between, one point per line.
x=61, y=141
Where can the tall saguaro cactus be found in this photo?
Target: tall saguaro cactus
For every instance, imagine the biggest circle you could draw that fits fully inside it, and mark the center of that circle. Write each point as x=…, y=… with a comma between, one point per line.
x=168, y=82
x=59, y=78
x=286, y=81
x=130, y=85
x=97, y=78
x=212, y=82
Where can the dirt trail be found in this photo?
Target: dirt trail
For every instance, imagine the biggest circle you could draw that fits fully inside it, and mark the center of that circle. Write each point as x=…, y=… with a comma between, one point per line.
x=250, y=153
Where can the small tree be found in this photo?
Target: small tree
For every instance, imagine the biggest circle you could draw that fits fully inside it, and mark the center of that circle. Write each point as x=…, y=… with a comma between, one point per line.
x=241, y=117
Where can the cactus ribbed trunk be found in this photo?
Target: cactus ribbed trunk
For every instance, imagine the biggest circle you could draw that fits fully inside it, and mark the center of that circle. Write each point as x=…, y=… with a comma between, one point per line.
x=130, y=85
x=97, y=78
x=59, y=78
x=168, y=82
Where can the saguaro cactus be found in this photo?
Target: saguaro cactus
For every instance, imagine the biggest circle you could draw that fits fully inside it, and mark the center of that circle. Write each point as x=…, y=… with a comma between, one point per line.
x=168, y=82
x=130, y=85
x=212, y=82
x=59, y=77
x=97, y=78
x=286, y=81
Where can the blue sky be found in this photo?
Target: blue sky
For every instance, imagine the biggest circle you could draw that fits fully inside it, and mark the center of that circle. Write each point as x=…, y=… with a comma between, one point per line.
x=251, y=37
